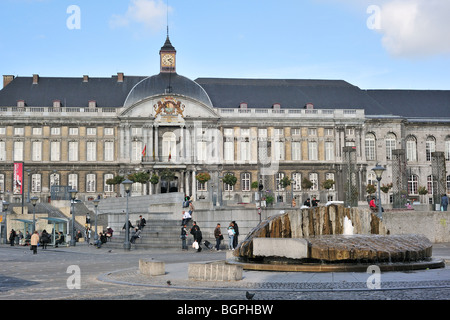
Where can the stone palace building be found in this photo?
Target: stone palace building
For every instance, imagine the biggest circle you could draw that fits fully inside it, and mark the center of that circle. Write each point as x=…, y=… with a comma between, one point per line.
x=80, y=132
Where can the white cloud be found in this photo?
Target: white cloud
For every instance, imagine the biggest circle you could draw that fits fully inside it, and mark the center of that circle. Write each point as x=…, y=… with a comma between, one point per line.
x=415, y=28
x=150, y=13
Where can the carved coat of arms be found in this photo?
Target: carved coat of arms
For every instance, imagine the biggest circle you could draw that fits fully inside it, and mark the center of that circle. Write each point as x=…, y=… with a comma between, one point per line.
x=170, y=107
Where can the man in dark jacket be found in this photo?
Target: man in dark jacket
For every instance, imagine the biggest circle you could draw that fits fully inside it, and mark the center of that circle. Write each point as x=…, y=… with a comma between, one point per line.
x=236, y=230
x=195, y=231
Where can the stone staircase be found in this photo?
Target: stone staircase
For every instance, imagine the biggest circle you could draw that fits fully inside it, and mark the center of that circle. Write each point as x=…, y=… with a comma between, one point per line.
x=158, y=233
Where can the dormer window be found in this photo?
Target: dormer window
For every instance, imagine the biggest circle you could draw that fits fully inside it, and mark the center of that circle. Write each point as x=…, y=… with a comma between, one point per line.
x=243, y=105
x=21, y=104
x=57, y=104
x=92, y=104
x=276, y=106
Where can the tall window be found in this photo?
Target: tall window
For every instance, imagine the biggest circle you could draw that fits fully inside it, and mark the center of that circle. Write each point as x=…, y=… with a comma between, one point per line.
x=73, y=181
x=227, y=187
x=18, y=151
x=448, y=184
x=54, y=179
x=413, y=184
x=55, y=151
x=296, y=150
x=109, y=151
x=411, y=148
x=245, y=181
x=330, y=176
x=390, y=145
x=370, y=146
x=228, y=150
x=90, y=182
x=430, y=184
x=447, y=148
x=2, y=151
x=314, y=178
x=312, y=150
x=278, y=178
x=36, y=151
x=297, y=177
x=430, y=147
x=36, y=182
x=2, y=183
x=245, y=149
x=91, y=151
x=136, y=150
x=73, y=150
x=329, y=150
x=108, y=187
x=279, y=150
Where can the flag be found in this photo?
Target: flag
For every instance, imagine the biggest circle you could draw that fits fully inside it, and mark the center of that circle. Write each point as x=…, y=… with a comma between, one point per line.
x=144, y=152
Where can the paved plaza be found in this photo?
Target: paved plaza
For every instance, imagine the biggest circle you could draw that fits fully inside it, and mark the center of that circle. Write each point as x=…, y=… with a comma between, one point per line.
x=113, y=274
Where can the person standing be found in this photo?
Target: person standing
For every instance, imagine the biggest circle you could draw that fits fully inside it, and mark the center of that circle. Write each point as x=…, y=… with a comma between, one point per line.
x=34, y=241
x=218, y=235
x=236, y=234
x=195, y=231
x=444, y=202
x=183, y=237
x=12, y=237
x=230, y=231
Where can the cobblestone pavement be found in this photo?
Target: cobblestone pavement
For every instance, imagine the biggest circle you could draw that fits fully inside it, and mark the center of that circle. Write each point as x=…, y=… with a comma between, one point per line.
x=112, y=274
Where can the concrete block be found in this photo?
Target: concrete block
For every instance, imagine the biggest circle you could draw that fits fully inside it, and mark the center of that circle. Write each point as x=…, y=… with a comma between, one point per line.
x=214, y=272
x=293, y=248
x=152, y=267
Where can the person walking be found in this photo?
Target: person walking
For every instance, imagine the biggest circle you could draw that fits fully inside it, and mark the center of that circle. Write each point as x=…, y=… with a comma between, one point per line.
x=218, y=235
x=195, y=231
x=444, y=202
x=183, y=236
x=34, y=242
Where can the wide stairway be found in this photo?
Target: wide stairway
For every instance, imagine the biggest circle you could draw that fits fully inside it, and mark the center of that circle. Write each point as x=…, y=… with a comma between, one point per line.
x=156, y=234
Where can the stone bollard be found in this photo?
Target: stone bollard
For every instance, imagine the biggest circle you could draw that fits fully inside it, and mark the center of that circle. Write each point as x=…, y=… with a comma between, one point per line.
x=214, y=272
x=152, y=267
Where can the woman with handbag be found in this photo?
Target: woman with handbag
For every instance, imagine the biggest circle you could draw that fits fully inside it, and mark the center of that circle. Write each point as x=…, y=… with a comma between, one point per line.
x=218, y=235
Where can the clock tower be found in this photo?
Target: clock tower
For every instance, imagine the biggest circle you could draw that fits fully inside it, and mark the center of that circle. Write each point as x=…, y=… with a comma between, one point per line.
x=167, y=57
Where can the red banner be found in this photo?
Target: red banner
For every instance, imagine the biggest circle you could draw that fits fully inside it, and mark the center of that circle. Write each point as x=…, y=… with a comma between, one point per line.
x=18, y=178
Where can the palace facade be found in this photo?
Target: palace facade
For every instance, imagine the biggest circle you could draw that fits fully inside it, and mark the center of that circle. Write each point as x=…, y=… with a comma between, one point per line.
x=81, y=132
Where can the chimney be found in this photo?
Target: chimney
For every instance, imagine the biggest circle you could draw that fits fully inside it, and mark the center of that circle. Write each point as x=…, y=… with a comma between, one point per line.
x=119, y=76
x=85, y=78
x=7, y=79
x=35, y=78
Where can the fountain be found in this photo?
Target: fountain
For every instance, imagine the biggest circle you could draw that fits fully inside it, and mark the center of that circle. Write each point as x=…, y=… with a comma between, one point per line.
x=331, y=238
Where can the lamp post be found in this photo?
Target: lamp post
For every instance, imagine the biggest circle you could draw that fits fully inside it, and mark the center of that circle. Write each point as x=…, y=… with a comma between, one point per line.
x=127, y=186
x=33, y=202
x=96, y=202
x=73, y=195
x=5, y=209
x=378, y=173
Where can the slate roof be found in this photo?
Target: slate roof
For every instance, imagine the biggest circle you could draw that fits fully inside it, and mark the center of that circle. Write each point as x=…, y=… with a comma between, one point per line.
x=229, y=93
x=72, y=92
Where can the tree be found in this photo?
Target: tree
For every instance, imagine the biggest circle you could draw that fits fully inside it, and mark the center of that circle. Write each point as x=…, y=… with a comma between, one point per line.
x=154, y=179
x=306, y=184
x=115, y=181
x=139, y=177
x=230, y=180
x=285, y=182
x=203, y=177
x=328, y=184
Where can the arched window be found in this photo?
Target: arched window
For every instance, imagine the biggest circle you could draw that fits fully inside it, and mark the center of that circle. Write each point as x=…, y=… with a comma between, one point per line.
x=169, y=142
x=370, y=146
x=411, y=148
x=430, y=147
x=447, y=148
x=390, y=145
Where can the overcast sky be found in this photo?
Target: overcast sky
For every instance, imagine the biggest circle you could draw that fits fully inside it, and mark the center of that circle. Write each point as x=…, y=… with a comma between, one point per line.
x=388, y=44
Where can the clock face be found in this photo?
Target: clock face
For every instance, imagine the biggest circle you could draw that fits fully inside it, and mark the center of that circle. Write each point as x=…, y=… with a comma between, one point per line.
x=168, y=60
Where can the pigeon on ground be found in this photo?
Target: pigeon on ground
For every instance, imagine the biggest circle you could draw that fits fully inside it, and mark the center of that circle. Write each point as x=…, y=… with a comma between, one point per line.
x=249, y=295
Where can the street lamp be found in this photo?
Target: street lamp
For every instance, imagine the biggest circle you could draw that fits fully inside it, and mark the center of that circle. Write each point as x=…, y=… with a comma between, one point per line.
x=33, y=202
x=73, y=196
x=127, y=186
x=378, y=173
x=5, y=208
x=96, y=202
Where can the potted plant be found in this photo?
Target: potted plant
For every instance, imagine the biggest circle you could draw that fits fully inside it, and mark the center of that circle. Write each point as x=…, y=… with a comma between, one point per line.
x=230, y=180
